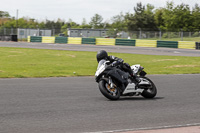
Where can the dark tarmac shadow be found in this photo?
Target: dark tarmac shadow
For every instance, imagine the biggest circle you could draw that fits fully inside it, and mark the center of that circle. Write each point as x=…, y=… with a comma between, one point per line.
x=140, y=98
x=127, y=98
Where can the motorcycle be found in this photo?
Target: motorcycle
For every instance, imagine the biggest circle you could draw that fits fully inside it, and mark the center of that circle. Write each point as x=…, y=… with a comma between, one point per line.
x=113, y=82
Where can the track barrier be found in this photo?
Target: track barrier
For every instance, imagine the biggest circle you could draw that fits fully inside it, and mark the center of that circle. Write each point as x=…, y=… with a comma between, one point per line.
x=61, y=40
x=118, y=42
x=125, y=42
x=167, y=44
x=197, y=45
x=146, y=43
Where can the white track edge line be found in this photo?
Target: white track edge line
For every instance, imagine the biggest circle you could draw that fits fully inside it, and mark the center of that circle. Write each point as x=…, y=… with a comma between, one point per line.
x=148, y=128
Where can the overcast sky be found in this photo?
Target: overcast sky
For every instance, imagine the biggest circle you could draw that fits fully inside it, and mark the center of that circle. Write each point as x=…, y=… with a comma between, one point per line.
x=77, y=9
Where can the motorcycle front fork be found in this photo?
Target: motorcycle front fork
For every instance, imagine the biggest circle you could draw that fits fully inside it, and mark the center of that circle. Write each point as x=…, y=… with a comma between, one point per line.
x=110, y=82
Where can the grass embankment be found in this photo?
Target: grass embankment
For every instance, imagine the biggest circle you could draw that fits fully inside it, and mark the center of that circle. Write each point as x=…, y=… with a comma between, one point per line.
x=22, y=62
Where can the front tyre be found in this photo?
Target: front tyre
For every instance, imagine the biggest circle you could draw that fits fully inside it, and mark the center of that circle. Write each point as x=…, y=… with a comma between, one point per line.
x=150, y=91
x=108, y=92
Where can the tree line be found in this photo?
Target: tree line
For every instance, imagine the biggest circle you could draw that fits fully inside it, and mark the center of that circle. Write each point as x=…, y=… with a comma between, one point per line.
x=144, y=17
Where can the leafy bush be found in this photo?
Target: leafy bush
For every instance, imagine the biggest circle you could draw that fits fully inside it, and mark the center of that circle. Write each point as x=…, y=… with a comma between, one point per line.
x=170, y=35
x=196, y=34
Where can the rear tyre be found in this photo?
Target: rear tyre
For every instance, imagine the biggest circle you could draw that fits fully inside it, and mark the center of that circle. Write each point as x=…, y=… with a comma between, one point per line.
x=108, y=92
x=150, y=91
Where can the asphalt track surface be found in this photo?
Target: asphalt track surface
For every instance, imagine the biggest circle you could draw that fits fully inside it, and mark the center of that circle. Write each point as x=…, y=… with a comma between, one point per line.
x=74, y=104
x=119, y=49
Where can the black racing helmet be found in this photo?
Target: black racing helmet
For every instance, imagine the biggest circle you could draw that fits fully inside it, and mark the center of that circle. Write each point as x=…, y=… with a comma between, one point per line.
x=102, y=54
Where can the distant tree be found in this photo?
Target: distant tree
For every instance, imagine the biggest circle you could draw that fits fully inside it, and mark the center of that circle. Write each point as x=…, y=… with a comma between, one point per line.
x=171, y=18
x=182, y=17
x=142, y=18
x=196, y=17
x=107, y=25
x=4, y=17
x=96, y=21
x=40, y=25
x=129, y=20
x=64, y=29
x=167, y=15
x=72, y=24
x=158, y=17
x=4, y=14
x=118, y=22
x=149, y=22
x=49, y=24
x=9, y=24
x=22, y=23
x=84, y=24
x=177, y=18
x=139, y=16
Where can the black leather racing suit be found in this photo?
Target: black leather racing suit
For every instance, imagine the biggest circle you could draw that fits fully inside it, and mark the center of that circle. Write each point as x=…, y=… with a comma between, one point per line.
x=125, y=66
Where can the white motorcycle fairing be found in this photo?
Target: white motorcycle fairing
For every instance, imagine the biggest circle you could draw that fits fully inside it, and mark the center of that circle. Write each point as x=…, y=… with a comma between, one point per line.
x=131, y=87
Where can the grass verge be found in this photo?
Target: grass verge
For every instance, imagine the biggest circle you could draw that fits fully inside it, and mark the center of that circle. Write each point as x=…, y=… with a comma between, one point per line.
x=23, y=62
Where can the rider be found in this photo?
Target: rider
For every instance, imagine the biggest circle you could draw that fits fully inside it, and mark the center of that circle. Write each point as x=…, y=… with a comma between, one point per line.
x=102, y=54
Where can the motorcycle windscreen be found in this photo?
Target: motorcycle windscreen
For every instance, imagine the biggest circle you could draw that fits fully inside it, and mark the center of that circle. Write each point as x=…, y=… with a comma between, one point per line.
x=100, y=63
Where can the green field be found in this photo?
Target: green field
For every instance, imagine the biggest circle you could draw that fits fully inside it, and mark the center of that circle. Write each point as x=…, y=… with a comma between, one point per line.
x=22, y=62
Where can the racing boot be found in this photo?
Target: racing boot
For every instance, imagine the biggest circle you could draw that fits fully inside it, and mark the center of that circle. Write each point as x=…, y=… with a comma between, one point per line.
x=135, y=78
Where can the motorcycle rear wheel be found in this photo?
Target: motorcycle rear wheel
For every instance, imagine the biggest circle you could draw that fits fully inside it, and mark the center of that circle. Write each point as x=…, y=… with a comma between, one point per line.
x=110, y=93
x=151, y=91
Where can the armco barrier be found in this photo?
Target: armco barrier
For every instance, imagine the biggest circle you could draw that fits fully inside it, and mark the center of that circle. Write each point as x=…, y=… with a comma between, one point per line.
x=125, y=42
x=61, y=40
x=167, y=44
x=48, y=39
x=146, y=43
x=186, y=45
x=105, y=41
x=74, y=40
x=89, y=41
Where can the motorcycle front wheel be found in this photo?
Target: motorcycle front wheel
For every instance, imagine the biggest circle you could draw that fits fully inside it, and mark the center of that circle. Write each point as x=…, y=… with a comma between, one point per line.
x=108, y=92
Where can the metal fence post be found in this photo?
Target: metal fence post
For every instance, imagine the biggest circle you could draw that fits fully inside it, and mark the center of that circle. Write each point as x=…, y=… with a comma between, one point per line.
x=53, y=32
x=181, y=34
x=160, y=34
x=4, y=31
x=11, y=31
x=140, y=34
